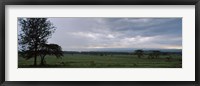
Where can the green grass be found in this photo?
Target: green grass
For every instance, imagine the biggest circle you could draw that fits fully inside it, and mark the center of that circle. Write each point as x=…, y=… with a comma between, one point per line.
x=96, y=61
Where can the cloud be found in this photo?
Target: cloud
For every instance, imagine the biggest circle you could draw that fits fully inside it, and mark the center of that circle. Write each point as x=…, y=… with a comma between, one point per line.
x=84, y=33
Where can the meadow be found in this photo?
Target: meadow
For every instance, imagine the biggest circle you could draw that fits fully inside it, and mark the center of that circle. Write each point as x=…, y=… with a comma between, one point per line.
x=104, y=61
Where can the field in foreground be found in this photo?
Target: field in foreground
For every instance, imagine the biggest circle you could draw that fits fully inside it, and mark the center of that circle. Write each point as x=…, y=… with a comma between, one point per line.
x=108, y=61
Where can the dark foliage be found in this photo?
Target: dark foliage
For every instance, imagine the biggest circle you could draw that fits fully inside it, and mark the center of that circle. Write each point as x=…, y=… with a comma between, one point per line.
x=154, y=54
x=139, y=53
x=49, y=49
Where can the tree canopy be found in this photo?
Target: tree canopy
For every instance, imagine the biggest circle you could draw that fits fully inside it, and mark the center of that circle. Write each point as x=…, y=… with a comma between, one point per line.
x=49, y=49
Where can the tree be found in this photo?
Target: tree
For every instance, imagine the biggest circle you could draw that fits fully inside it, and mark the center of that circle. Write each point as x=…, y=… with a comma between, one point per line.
x=139, y=53
x=156, y=53
x=34, y=31
x=49, y=49
x=151, y=56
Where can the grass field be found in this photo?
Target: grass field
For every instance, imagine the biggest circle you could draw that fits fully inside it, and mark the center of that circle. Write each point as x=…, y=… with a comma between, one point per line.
x=95, y=61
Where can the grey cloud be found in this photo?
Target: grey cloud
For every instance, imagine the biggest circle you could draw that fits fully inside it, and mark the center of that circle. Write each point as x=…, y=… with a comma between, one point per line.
x=82, y=33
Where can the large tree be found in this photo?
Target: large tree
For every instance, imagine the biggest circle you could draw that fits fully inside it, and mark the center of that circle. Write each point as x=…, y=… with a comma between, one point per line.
x=34, y=31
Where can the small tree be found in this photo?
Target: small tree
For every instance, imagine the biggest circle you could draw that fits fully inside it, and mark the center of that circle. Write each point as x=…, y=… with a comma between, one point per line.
x=151, y=56
x=156, y=53
x=139, y=53
x=49, y=49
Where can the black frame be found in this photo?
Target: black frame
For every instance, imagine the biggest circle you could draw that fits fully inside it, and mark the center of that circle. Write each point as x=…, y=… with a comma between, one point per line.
x=99, y=2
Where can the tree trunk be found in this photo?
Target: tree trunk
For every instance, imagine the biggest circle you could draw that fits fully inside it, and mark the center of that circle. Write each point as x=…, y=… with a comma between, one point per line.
x=42, y=60
x=35, y=60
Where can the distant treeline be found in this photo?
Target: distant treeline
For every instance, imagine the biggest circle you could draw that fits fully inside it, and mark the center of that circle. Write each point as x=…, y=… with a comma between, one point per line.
x=114, y=53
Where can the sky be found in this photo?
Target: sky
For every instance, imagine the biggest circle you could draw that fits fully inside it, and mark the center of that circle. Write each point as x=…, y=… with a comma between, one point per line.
x=84, y=34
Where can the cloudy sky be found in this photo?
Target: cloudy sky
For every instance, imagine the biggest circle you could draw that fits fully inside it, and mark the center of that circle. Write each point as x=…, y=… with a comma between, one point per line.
x=92, y=33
